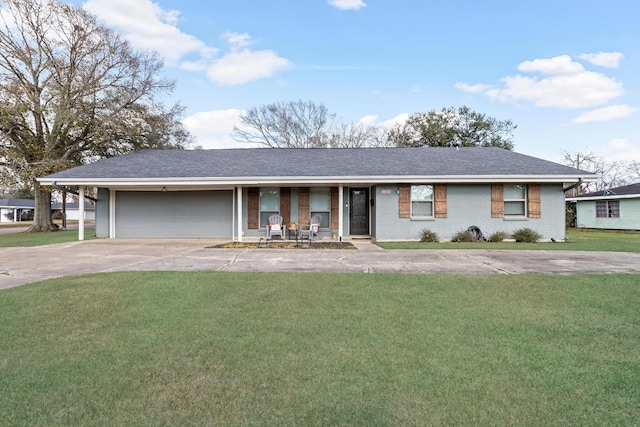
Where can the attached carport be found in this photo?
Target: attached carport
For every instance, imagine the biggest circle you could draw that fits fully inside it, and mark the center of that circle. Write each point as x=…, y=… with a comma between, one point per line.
x=173, y=214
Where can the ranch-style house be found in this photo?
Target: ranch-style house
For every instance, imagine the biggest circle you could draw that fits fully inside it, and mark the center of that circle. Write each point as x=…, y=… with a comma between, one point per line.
x=380, y=193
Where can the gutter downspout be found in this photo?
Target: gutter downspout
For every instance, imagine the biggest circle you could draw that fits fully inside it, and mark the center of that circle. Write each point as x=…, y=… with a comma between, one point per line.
x=577, y=184
x=57, y=187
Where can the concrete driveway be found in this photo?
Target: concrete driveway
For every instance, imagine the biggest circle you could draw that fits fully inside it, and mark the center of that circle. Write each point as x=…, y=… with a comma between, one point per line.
x=19, y=266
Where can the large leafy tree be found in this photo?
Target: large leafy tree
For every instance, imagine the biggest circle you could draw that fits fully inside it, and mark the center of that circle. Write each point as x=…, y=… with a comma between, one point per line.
x=448, y=127
x=72, y=90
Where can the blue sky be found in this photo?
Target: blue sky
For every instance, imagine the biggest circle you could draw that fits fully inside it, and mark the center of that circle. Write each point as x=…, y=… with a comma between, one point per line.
x=566, y=72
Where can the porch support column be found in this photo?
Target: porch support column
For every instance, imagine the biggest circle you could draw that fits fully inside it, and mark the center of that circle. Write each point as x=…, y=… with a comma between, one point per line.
x=81, y=213
x=340, y=211
x=112, y=214
x=239, y=211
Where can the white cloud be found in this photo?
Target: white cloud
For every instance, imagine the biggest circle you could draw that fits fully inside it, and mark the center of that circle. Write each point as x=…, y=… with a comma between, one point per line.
x=242, y=65
x=619, y=149
x=605, y=114
x=212, y=129
x=559, y=65
x=368, y=120
x=603, y=59
x=477, y=88
x=147, y=26
x=347, y=4
x=372, y=120
x=564, y=84
x=238, y=40
x=245, y=66
x=399, y=119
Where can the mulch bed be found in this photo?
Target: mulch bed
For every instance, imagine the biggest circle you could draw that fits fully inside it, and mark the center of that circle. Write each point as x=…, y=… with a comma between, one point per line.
x=285, y=245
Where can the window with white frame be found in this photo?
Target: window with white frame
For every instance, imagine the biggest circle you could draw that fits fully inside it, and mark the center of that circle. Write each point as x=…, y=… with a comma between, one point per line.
x=422, y=201
x=269, y=204
x=320, y=203
x=607, y=209
x=515, y=200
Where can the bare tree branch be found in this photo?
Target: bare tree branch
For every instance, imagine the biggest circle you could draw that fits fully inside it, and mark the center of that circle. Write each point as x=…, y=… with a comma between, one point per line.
x=611, y=173
x=295, y=124
x=73, y=90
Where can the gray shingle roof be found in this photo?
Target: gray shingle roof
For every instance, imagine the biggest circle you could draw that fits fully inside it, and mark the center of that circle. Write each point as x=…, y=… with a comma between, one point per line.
x=30, y=203
x=342, y=162
x=625, y=190
x=17, y=203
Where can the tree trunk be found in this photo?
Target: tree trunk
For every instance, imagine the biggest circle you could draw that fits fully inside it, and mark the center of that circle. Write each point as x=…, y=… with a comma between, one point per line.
x=42, y=215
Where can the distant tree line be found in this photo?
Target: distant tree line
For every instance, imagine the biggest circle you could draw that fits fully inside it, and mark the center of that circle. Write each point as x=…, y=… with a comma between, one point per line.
x=305, y=124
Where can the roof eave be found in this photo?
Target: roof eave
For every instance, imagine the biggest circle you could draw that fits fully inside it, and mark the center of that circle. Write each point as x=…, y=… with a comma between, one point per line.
x=307, y=180
x=607, y=197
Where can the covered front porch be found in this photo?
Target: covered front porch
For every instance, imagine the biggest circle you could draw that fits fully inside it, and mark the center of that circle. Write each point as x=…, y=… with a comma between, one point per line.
x=239, y=213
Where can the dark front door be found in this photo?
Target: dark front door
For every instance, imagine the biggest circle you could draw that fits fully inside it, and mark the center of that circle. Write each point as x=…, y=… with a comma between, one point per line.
x=359, y=212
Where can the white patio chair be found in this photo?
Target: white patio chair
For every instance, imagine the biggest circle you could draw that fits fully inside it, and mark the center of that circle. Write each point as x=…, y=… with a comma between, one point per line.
x=275, y=227
x=312, y=230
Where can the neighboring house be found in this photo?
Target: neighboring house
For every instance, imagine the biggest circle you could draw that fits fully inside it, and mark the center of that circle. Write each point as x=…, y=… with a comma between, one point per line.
x=16, y=210
x=382, y=193
x=615, y=208
x=73, y=211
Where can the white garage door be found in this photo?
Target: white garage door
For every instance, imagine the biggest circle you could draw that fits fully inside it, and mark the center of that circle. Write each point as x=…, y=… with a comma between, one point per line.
x=181, y=214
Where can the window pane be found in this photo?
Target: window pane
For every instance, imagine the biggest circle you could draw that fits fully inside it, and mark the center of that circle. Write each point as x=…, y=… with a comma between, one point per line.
x=421, y=192
x=607, y=209
x=326, y=220
x=320, y=199
x=264, y=218
x=514, y=208
x=515, y=192
x=421, y=209
x=270, y=199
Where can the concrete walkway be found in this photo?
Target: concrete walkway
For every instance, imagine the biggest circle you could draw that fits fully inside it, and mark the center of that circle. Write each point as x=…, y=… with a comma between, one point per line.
x=19, y=266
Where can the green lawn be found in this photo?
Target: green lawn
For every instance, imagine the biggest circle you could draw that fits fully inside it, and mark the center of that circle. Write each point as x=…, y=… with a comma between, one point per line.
x=577, y=240
x=212, y=348
x=38, y=239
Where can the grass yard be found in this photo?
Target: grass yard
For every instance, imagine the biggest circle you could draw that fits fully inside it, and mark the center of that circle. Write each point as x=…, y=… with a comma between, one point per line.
x=24, y=239
x=211, y=348
x=577, y=240
x=38, y=239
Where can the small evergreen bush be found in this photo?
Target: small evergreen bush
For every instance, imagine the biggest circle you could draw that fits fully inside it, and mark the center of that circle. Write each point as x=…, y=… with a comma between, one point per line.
x=429, y=236
x=498, y=236
x=526, y=235
x=464, y=236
